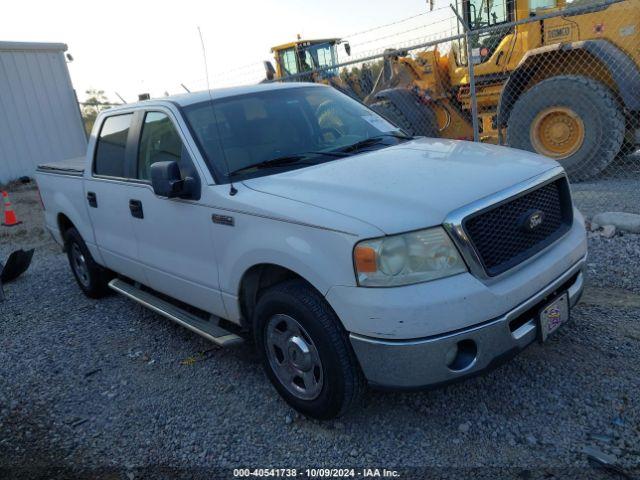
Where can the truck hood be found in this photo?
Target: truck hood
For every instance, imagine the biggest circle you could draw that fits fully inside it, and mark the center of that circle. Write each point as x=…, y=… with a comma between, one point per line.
x=408, y=186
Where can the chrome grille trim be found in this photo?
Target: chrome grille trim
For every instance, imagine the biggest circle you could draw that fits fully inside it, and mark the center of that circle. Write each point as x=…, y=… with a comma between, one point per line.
x=453, y=223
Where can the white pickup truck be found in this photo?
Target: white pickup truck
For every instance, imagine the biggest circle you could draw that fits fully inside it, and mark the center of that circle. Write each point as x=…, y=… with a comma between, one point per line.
x=350, y=252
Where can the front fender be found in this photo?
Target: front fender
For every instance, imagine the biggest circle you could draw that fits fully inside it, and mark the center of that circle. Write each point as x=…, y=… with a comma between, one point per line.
x=322, y=257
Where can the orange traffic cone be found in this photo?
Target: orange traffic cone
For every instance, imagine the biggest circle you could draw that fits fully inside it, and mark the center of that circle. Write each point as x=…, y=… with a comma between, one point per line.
x=10, y=219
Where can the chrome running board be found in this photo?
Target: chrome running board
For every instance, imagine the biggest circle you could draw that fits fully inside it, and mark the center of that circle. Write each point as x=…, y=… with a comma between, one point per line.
x=206, y=328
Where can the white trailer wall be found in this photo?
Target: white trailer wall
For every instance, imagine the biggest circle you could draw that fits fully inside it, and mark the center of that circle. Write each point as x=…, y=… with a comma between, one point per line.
x=39, y=116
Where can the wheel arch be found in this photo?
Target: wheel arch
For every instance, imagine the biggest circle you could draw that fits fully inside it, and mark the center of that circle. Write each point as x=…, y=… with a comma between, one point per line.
x=64, y=224
x=598, y=59
x=256, y=279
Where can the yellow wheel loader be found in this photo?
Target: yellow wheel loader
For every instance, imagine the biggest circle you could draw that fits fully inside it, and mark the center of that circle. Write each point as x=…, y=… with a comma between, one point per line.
x=316, y=61
x=295, y=58
x=566, y=86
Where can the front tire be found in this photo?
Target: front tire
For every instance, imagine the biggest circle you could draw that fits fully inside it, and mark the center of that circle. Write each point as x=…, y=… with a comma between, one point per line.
x=92, y=278
x=573, y=119
x=305, y=351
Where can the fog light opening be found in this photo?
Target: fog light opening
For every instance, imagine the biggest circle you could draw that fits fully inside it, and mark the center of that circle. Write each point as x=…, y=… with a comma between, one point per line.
x=461, y=355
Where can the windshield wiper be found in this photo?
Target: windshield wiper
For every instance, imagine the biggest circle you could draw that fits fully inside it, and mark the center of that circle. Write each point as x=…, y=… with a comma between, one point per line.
x=296, y=159
x=373, y=141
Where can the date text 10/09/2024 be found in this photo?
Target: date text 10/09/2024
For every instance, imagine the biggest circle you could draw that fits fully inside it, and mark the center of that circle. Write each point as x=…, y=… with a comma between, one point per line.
x=317, y=472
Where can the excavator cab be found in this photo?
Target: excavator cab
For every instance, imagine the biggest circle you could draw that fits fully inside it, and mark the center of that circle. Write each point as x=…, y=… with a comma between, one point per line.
x=302, y=56
x=480, y=14
x=296, y=58
x=483, y=14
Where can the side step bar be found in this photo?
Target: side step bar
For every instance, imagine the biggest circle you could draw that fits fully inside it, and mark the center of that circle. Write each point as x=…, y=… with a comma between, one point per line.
x=206, y=328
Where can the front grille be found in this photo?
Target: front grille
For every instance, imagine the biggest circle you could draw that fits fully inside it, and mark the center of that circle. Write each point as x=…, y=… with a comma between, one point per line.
x=499, y=237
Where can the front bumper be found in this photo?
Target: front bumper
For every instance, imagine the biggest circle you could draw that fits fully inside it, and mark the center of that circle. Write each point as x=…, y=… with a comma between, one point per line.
x=424, y=362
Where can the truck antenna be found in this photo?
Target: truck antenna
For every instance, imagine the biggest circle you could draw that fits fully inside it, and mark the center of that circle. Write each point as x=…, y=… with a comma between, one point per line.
x=232, y=190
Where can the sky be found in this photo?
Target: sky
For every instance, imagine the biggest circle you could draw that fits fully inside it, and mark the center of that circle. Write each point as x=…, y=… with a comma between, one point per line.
x=139, y=46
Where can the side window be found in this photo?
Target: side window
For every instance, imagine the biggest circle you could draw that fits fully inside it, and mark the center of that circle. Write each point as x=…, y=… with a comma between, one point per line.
x=112, y=143
x=159, y=142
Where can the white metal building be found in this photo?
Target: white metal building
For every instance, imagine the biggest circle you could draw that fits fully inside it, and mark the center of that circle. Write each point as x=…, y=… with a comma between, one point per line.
x=39, y=116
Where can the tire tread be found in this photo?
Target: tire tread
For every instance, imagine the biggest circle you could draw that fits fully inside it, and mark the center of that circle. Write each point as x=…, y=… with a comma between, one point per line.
x=609, y=108
x=355, y=383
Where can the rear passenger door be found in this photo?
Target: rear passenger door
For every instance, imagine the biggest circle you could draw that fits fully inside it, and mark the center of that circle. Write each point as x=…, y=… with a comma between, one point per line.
x=175, y=245
x=107, y=189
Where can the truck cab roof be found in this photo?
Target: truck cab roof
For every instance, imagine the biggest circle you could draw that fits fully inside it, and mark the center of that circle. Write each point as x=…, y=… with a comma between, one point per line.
x=186, y=99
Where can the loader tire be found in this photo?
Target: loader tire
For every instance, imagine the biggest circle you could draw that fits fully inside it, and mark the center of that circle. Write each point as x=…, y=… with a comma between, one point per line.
x=392, y=113
x=573, y=119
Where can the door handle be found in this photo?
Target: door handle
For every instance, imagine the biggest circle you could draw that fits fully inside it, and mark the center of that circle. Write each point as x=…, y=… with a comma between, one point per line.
x=135, y=206
x=92, y=199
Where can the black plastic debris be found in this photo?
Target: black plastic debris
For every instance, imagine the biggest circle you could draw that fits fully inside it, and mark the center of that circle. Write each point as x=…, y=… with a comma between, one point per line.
x=17, y=263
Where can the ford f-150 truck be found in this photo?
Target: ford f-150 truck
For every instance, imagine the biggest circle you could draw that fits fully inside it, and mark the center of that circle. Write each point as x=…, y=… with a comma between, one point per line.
x=349, y=251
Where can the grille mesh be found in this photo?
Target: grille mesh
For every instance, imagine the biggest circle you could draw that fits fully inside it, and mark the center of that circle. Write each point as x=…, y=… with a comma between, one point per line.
x=498, y=236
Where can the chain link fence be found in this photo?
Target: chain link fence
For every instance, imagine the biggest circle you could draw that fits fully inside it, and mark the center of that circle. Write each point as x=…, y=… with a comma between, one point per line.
x=560, y=79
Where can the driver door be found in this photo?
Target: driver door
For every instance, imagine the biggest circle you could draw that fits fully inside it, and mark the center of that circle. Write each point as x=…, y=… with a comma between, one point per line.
x=175, y=244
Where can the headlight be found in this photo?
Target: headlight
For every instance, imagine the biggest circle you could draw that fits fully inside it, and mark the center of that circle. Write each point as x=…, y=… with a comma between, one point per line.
x=407, y=258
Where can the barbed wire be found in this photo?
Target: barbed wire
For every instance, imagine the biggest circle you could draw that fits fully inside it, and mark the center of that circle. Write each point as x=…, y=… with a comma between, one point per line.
x=351, y=35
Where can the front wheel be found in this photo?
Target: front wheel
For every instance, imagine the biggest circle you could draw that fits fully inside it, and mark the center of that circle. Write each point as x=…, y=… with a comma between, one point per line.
x=573, y=119
x=305, y=351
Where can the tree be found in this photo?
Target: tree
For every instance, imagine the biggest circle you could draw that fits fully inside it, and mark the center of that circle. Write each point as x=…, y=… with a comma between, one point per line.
x=95, y=102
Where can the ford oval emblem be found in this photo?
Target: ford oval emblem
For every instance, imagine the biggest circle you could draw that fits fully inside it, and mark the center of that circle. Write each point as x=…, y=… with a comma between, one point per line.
x=531, y=220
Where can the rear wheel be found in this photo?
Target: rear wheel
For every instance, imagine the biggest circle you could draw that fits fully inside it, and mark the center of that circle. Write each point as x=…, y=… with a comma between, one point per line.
x=572, y=119
x=91, y=277
x=306, y=353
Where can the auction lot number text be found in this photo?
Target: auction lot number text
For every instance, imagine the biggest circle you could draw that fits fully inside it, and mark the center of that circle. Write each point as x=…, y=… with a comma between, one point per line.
x=316, y=472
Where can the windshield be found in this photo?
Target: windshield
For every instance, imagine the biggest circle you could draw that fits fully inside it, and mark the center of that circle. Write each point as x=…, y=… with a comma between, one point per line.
x=320, y=55
x=485, y=13
x=309, y=122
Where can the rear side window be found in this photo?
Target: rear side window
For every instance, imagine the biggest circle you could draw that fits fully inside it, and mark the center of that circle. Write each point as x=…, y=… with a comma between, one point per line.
x=159, y=143
x=112, y=143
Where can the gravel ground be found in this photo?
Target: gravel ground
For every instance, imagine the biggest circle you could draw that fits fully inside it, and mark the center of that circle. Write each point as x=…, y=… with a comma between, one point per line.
x=107, y=389
x=615, y=190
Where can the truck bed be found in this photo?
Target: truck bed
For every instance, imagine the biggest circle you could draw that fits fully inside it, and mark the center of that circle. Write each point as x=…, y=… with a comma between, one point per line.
x=61, y=186
x=70, y=166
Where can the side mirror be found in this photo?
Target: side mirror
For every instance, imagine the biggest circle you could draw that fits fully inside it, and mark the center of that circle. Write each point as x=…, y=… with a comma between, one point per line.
x=269, y=70
x=167, y=181
x=347, y=48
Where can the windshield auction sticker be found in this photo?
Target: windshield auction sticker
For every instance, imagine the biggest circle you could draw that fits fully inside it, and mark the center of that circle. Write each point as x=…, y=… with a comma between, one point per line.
x=379, y=123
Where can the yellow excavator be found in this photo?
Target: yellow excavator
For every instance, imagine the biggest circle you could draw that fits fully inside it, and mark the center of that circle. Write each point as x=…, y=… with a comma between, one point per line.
x=566, y=86
x=316, y=61
x=302, y=56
